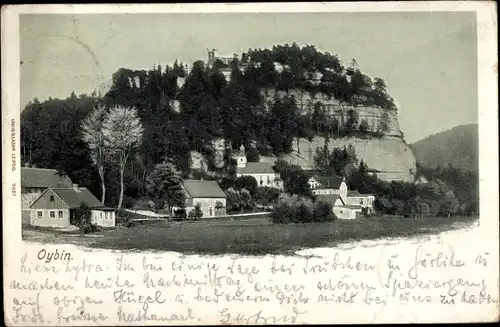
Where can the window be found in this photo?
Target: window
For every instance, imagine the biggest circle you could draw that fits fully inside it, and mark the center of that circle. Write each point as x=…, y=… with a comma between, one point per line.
x=39, y=214
x=61, y=214
x=52, y=214
x=101, y=215
x=51, y=198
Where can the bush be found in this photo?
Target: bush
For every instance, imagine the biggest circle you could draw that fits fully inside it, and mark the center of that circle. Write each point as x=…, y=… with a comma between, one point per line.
x=246, y=182
x=238, y=200
x=198, y=214
x=83, y=216
x=265, y=195
x=282, y=214
x=123, y=217
x=303, y=214
x=128, y=201
x=323, y=212
x=227, y=182
x=296, y=209
x=253, y=155
x=144, y=204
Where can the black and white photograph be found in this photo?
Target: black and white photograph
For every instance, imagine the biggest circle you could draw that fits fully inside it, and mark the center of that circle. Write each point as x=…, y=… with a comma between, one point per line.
x=237, y=164
x=350, y=125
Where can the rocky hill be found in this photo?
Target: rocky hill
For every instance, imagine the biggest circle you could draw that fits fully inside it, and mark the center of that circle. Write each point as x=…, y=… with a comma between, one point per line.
x=457, y=146
x=286, y=99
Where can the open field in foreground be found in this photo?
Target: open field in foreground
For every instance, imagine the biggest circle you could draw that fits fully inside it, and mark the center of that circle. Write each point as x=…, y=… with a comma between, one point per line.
x=252, y=236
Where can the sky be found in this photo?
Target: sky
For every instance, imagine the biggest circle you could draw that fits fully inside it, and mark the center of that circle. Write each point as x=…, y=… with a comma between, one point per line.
x=428, y=59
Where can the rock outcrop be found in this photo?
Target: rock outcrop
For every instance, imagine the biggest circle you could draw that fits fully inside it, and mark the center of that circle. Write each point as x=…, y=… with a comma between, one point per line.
x=374, y=116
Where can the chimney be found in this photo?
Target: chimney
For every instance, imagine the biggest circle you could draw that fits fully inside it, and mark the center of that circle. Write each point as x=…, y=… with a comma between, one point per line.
x=75, y=188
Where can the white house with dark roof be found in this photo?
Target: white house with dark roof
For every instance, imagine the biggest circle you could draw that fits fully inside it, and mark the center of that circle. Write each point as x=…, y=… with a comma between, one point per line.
x=207, y=194
x=346, y=204
x=56, y=207
x=263, y=172
x=328, y=185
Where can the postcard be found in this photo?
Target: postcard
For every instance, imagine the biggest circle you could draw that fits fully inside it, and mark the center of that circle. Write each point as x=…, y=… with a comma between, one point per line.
x=250, y=164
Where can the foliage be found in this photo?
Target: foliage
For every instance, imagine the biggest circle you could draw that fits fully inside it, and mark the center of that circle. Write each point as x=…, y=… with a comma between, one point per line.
x=238, y=200
x=198, y=214
x=449, y=205
x=458, y=147
x=338, y=162
x=92, y=134
x=297, y=209
x=248, y=183
x=253, y=155
x=265, y=195
x=51, y=138
x=323, y=211
x=295, y=180
x=84, y=222
x=164, y=184
x=122, y=131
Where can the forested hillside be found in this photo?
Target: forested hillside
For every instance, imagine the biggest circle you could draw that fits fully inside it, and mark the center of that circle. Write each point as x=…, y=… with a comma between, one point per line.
x=457, y=147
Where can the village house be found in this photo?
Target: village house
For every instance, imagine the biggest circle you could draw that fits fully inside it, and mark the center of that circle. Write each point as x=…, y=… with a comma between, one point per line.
x=346, y=204
x=263, y=172
x=328, y=185
x=36, y=180
x=56, y=207
x=207, y=194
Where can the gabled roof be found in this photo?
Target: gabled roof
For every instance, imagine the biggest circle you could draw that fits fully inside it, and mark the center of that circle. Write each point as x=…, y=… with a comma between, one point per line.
x=73, y=199
x=43, y=178
x=330, y=182
x=203, y=189
x=329, y=198
x=256, y=168
x=357, y=194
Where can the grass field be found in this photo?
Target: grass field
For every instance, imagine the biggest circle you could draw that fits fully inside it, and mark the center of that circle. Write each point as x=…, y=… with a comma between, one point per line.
x=252, y=236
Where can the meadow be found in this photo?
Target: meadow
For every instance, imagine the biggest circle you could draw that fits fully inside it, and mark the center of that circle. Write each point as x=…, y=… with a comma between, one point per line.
x=255, y=236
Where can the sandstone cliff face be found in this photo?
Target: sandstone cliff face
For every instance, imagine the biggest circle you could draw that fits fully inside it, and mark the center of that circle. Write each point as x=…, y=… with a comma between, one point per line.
x=374, y=116
x=391, y=157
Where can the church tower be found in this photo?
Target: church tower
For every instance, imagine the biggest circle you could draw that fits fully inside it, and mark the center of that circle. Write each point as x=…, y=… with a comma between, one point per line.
x=242, y=157
x=211, y=57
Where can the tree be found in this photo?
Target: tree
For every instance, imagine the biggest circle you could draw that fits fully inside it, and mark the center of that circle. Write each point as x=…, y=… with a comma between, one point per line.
x=198, y=214
x=266, y=195
x=246, y=182
x=164, y=184
x=122, y=130
x=253, y=155
x=323, y=211
x=295, y=180
x=449, y=205
x=92, y=133
x=83, y=216
x=238, y=200
x=352, y=121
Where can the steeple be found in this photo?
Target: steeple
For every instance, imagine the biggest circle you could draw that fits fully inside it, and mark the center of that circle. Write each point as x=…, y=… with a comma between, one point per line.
x=242, y=157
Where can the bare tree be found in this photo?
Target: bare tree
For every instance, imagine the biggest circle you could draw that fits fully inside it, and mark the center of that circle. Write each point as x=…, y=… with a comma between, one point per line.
x=122, y=131
x=92, y=134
